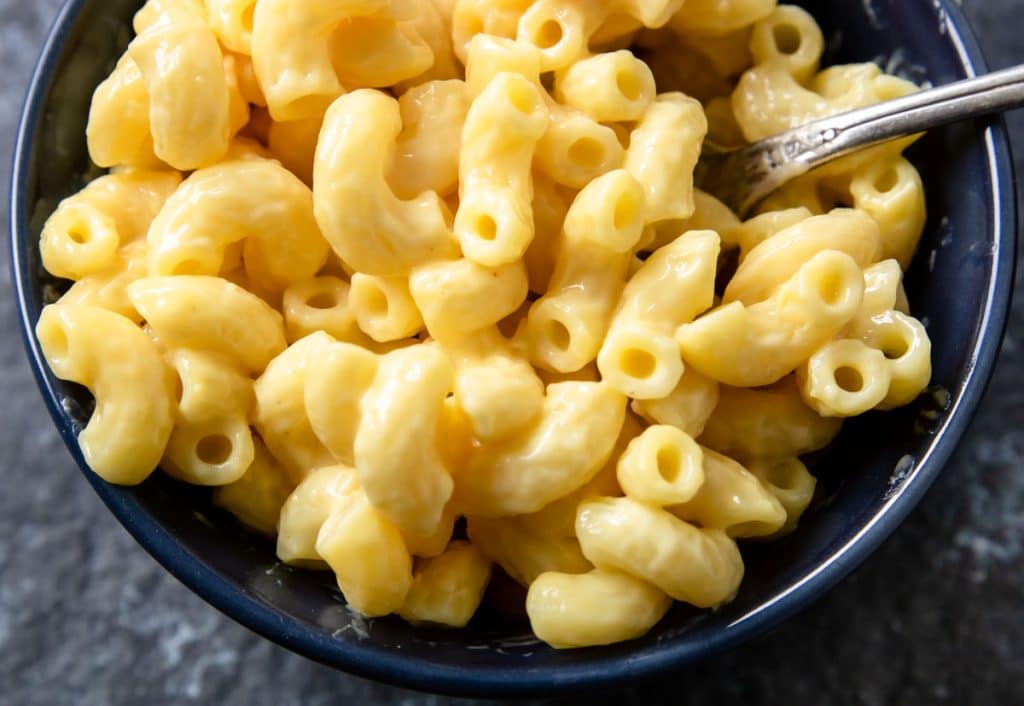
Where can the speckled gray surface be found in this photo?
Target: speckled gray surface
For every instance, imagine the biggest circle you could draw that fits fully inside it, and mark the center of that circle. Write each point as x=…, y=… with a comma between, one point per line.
x=86, y=617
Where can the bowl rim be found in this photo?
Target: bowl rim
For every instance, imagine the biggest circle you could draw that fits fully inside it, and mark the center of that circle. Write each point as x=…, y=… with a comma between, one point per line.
x=395, y=667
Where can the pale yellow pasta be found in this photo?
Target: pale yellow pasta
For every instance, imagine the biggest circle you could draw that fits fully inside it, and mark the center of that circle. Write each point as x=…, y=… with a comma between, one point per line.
x=493, y=18
x=640, y=356
x=118, y=128
x=596, y=608
x=702, y=567
x=242, y=326
x=663, y=466
x=788, y=40
x=663, y=152
x=907, y=349
x=238, y=104
x=790, y=482
x=108, y=290
x=305, y=511
x=428, y=546
x=781, y=91
x=281, y=417
x=708, y=214
x=687, y=407
x=845, y=378
x=427, y=151
x=459, y=297
x=431, y=23
x=777, y=258
x=292, y=47
x=395, y=450
x=717, y=17
x=367, y=554
x=567, y=325
x=232, y=20
x=335, y=381
x=374, y=52
x=211, y=453
x=85, y=234
x=371, y=229
x=426, y=286
x=211, y=386
x=761, y=227
x=891, y=192
x=574, y=149
x=183, y=69
x=122, y=368
x=608, y=87
x=494, y=223
x=384, y=307
x=558, y=519
x=562, y=29
x=771, y=422
x=257, y=497
x=447, y=589
x=257, y=202
x=733, y=500
x=320, y=304
x=523, y=554
x=750, y=346
x=497, y=389
x=523, y=474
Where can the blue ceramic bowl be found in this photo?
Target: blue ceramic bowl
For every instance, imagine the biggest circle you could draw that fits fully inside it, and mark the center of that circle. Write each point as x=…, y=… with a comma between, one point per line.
x=869, y=479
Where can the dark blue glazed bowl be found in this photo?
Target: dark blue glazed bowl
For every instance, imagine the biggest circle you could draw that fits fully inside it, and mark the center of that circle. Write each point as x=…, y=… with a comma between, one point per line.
x=870, y=479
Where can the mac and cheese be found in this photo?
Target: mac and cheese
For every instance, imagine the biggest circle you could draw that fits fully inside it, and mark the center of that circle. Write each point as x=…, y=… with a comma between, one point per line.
x=424, y=289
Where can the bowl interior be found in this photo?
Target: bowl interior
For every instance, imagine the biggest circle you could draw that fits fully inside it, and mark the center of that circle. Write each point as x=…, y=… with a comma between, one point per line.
x=869, y=479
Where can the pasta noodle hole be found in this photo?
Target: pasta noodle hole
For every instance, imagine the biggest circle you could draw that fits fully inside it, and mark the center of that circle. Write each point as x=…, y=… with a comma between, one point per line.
x=322, y=300
x=787, y=38
x=558, y=335
x=886, y=181
x=548, y=35
x=79, y=236
x=628, y=85
x=377, y=302
x=522, y=99
x=638, y=364
x=586, y=152
x=214, y=450
x=669, y=463
x=894, y=347
x=849, y=379
x=831, y=288
x=486, y=228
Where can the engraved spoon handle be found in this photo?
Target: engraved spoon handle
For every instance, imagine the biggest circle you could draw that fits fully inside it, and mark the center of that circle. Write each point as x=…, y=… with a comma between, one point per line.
x=747, y=175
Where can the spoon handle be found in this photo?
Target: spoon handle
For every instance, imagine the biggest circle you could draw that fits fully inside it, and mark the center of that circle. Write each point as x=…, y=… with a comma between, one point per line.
x=742, y=178
x=917, y=112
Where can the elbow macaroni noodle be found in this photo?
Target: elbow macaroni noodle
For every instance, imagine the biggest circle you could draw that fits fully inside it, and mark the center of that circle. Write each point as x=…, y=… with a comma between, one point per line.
x=424, y=289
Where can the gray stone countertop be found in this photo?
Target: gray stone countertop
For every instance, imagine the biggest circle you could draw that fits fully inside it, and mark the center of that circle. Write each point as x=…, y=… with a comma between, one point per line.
x=88, y=618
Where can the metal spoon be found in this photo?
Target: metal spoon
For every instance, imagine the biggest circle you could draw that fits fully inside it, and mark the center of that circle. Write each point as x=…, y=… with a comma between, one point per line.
x=741, y=177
